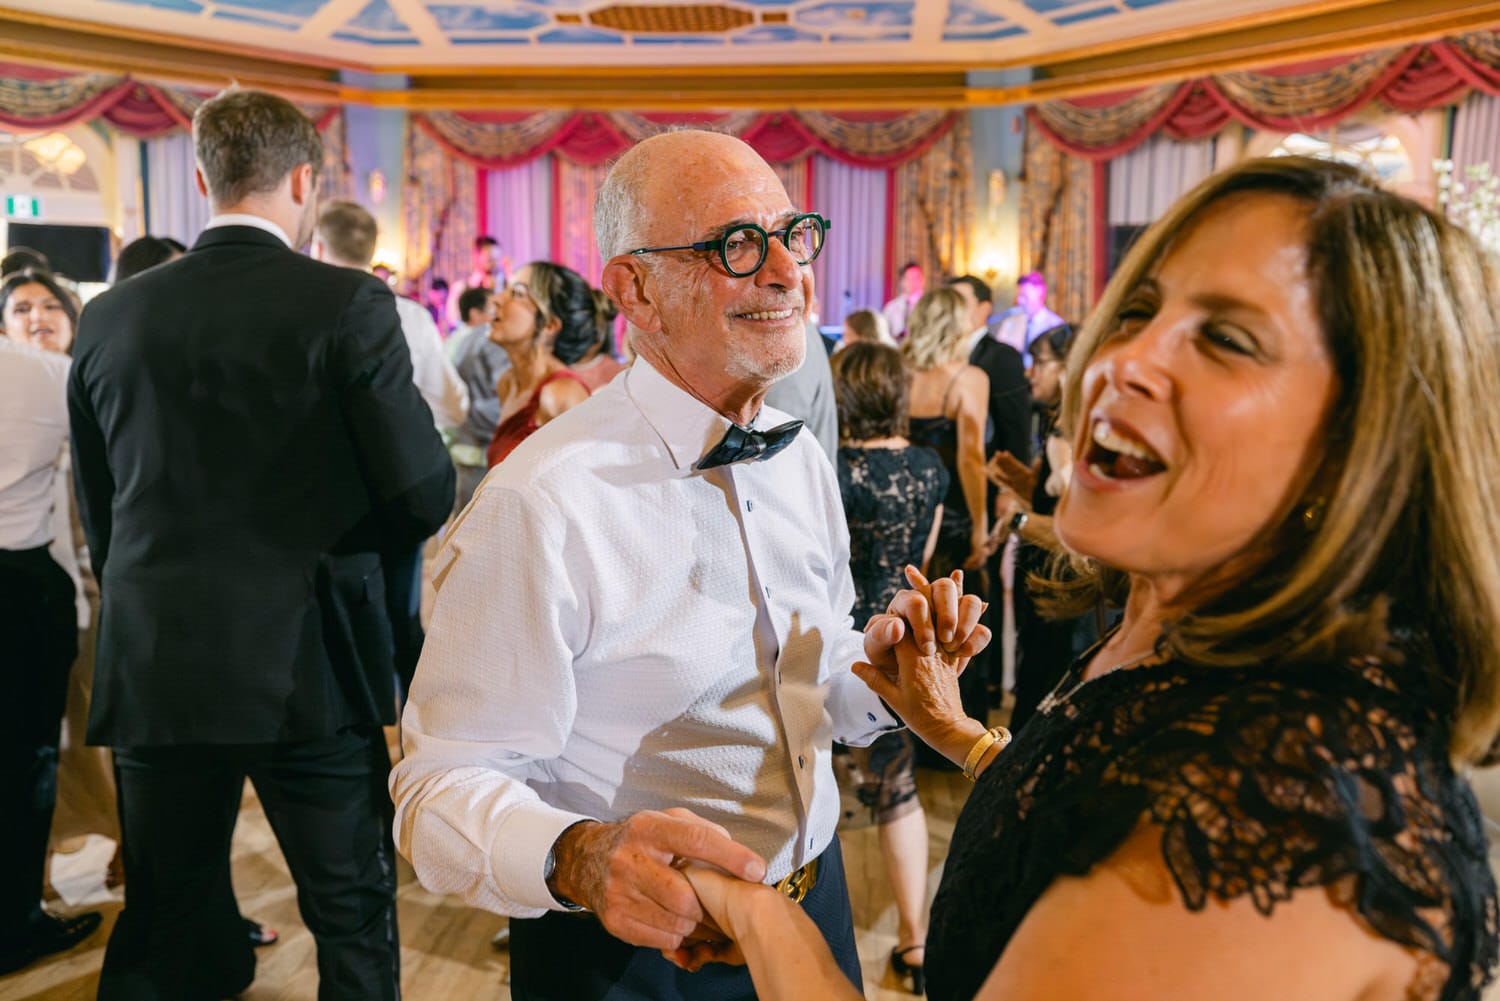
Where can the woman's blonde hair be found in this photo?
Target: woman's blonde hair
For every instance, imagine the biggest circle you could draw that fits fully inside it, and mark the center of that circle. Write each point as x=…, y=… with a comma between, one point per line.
x=935, y=331
x=1398, y=530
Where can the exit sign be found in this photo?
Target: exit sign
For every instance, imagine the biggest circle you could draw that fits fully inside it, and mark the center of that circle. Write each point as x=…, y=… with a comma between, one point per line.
x=22, y=207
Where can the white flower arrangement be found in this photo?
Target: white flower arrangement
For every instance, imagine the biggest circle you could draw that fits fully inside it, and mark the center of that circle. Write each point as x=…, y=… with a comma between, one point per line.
x=1474, y=202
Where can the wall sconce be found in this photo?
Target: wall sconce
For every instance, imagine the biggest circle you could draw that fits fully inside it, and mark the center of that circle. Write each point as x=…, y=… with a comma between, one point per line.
x=993, y=263
x=390, y=260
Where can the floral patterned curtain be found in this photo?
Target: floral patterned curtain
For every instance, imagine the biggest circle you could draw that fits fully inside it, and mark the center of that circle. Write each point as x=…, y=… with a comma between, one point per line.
x=932, y=216
x=574, y=188
x=438, y=200
x=1296, y=98
x=1057, y=223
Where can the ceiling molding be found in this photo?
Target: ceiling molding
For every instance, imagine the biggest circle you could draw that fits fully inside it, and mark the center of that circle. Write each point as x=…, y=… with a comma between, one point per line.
x=1329, y=27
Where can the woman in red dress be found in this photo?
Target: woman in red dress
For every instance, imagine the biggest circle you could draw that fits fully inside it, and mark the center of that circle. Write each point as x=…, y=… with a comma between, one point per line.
x=545, y=320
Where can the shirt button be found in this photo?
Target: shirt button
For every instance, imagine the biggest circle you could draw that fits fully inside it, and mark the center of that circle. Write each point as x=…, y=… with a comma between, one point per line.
x=872, y=717
x=800, y=762
x=749, y=505
x=768, y=592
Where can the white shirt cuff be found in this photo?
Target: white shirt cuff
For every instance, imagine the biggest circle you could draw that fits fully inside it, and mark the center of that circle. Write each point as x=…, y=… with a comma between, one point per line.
x=520, y=849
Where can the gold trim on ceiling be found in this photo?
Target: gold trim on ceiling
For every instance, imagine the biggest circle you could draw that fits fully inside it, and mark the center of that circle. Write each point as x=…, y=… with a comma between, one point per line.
x=1330, y=27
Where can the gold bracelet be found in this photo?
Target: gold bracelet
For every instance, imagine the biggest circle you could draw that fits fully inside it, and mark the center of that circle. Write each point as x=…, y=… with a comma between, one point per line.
x=994, y=735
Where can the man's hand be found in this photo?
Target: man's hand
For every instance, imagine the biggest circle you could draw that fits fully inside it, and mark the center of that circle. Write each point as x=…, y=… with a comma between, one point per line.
x=936, y=614
x=624, y=872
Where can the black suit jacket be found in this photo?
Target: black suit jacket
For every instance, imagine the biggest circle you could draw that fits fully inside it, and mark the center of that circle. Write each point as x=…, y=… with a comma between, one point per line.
x=1010, y=396
x=246, y=436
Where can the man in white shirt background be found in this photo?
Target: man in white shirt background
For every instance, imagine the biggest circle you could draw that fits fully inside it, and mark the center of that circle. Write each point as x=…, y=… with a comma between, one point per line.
x=40, y=626
x=909, y=288
x=640, y=651
x=489, y=269
x=1029, y=318
x=346, y=235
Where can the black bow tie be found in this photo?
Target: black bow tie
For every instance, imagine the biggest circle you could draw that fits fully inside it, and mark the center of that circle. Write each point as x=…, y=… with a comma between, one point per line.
x=747, y=443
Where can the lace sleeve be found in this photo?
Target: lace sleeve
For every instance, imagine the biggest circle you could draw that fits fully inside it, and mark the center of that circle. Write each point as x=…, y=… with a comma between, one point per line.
x=1299, y=779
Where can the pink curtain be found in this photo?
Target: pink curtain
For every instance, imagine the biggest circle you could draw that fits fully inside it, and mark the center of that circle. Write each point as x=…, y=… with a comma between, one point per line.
x=574, y=187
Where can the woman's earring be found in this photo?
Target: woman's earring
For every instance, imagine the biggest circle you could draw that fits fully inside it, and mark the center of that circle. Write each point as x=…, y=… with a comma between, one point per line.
x=1312, y=515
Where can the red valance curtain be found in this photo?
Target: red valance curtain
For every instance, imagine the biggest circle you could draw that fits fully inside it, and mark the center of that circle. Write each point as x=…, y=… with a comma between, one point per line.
x=499, y=140
x=33, y=100
x=1296, y=98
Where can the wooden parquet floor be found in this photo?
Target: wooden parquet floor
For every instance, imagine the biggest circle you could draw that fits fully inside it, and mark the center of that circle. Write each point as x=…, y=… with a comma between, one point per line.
x=445, y=946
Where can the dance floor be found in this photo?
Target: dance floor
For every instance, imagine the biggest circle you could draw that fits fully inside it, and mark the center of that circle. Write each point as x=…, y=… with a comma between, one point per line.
x=445, y=946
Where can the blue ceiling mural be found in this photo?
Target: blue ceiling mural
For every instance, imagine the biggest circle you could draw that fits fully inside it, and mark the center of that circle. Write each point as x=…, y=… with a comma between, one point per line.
x=545, y=32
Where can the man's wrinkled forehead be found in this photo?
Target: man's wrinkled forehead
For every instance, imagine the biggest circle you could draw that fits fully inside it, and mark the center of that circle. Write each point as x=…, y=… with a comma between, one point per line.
x=708, y=194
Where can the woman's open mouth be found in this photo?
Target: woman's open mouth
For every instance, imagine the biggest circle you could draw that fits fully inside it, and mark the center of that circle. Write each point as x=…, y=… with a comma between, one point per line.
x=1111, y=455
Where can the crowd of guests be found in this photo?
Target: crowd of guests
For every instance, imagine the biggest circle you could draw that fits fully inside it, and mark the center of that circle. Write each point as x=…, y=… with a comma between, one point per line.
x=1255, y=575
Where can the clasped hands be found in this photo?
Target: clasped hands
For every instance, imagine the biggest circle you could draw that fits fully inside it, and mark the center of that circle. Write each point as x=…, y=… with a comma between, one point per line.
x=673, y=881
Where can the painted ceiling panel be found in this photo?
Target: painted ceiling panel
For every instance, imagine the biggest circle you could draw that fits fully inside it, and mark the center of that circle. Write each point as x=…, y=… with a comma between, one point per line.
x=559, y=33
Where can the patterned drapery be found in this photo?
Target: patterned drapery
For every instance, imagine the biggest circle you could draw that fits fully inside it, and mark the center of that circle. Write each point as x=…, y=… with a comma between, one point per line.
x=34, y=100
x=1297, y=98
x=574, y=187
x=932, y=218
x=497, y=140
x=1057, y=225
x=337, y=178
x=438, y=199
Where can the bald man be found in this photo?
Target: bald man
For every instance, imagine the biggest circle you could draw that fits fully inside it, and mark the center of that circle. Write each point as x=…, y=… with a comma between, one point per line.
x=670, y=664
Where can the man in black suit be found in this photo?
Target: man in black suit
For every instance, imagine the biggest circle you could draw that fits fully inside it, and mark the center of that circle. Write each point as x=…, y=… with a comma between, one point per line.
x=1010, y=392
x=1010, y=431
x=246, y=437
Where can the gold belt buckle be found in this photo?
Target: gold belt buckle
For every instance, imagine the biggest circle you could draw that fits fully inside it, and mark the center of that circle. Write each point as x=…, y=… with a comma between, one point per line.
x=796, y=884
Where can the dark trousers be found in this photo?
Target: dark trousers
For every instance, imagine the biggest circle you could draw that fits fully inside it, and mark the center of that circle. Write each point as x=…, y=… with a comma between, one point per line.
x=181, y=938
x=403, y=604
x=570, y=957
x=39, y=627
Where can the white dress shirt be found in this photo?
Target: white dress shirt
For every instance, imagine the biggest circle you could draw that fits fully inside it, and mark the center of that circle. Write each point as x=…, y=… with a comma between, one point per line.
x=246, y=219
x=33, y=438
x=438, y=382
x=616, y=632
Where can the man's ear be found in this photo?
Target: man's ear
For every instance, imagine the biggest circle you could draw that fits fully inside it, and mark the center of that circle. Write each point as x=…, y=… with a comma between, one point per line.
x=625, y=283
x=304, y=183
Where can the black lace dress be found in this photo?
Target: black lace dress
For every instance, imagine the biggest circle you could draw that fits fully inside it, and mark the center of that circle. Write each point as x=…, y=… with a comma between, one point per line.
x=890, y=498
x=1263, y=781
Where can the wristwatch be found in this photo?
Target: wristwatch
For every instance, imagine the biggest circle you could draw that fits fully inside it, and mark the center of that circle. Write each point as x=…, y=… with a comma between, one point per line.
x=549, y=868
x=1018, y=521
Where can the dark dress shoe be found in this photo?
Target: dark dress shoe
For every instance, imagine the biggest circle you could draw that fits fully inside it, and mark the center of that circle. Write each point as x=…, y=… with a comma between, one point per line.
x=45, y=935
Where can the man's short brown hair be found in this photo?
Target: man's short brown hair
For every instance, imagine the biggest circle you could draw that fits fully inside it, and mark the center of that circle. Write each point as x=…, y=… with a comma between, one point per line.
x=247, y=141
x=349, y=232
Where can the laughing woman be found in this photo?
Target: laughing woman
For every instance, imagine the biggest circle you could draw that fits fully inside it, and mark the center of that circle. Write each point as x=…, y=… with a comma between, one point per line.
x=1254, y=787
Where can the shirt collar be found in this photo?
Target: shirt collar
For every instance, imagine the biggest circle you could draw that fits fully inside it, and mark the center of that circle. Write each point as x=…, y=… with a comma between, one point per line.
x=245, y=219
x=685, y=425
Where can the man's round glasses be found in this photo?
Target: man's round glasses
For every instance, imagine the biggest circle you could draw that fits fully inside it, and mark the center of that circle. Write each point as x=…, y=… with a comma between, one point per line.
x=743, y=248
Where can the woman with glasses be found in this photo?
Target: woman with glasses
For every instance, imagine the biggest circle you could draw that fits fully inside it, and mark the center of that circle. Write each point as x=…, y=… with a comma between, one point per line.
x=546, y=320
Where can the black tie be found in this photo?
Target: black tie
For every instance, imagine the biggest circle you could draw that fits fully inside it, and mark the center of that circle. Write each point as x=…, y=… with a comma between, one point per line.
x=747, y=443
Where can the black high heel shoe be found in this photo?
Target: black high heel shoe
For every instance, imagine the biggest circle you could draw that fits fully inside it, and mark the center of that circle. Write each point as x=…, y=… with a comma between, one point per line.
x=916, y=971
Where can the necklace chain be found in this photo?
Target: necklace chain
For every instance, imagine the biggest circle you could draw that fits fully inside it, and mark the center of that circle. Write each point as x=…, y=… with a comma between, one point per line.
x=1053, y=698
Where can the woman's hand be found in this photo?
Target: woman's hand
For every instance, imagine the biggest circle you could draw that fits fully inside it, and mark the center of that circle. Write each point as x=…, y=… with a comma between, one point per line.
x=1009, y=473
x=726, y=901
x=921, y=687
x=979, y=550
